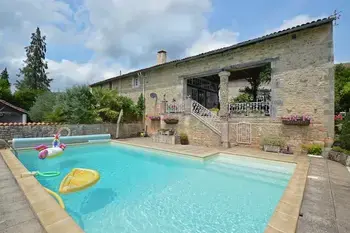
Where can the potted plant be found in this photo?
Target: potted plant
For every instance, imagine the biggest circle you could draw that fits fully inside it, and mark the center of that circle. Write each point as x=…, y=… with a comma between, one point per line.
x=314, y=150
x=171, y=120
x=296, y=120
x=184, y=139
x=272, y=144
x=154, y=118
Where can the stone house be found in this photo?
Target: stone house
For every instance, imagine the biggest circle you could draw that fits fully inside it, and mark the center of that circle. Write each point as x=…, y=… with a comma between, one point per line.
x=11, y=113
x=300, y=60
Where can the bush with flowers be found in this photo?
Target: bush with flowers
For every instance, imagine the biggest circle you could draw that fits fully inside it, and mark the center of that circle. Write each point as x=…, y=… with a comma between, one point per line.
x=296, y=120
x=154, y=118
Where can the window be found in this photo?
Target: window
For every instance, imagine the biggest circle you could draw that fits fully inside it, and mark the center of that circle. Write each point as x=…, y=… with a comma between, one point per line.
x=135, y=82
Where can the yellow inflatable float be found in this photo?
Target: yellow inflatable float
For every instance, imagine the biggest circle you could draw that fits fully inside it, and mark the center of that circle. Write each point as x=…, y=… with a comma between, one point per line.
x=78, y=179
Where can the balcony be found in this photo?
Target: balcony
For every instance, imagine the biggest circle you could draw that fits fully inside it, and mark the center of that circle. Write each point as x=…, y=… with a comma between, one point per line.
x=251, y=109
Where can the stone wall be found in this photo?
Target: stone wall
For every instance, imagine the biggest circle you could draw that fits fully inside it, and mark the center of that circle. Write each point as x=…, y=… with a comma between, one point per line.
x=197, y=132
x=339, y=157
x=29, y=131
x=293, y=135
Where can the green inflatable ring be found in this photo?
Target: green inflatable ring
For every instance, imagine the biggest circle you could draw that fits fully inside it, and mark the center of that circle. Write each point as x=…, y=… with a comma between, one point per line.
x=48, y=174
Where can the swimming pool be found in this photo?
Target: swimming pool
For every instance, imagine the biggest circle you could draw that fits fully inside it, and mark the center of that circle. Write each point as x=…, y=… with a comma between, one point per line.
x=143, y=190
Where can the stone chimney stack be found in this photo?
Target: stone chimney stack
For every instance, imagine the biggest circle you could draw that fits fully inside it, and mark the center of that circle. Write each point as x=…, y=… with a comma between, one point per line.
x=161, y=57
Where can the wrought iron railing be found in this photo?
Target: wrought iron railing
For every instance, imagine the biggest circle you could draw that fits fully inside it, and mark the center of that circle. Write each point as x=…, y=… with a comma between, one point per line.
x=206, y=116
x=174, y=107
x=251, y=108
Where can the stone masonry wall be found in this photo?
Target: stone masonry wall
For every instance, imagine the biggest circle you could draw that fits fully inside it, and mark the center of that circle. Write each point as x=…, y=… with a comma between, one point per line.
x=29, y=131
x=302, y=77
x=293, y=135
x=197, y=132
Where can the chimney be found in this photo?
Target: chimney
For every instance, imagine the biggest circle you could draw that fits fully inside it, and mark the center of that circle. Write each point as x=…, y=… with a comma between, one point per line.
x=161, y=57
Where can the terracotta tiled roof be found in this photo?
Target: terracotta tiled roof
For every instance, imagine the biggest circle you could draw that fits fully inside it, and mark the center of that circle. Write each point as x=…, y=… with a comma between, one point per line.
x=241, y=44
x=27, y=124
x=13, y=106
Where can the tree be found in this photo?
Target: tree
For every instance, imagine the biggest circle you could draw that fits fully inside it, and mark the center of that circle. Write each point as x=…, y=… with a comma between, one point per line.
x=5, y=76
x=255, y=82
x=25, y=97
x=107, y=104
x=5, y=86
x=140, y=106
x=78, y=105
x=34, y=71
x=43, y=106
x=342, y=88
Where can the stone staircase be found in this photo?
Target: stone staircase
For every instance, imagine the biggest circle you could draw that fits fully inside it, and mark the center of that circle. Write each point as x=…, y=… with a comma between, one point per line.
x=205, y=116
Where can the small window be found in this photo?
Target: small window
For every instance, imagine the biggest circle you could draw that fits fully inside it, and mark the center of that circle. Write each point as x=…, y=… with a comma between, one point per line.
x=135, y=82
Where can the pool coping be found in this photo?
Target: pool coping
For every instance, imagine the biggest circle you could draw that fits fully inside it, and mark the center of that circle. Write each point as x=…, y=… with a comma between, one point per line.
x=286, y=214
x=51, y=216
x=54, y=219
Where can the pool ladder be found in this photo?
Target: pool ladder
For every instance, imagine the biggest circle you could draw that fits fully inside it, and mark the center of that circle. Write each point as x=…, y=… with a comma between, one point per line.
x=2, y=141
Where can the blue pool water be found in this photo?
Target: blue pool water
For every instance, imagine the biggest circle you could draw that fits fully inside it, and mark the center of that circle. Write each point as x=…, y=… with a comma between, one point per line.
x=151, y=191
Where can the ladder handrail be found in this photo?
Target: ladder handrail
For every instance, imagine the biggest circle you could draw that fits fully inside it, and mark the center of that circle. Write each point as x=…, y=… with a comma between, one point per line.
x=9, y=145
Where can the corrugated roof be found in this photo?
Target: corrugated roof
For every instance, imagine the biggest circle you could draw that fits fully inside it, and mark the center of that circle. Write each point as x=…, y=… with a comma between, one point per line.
x=13, y=106
x=224, y=49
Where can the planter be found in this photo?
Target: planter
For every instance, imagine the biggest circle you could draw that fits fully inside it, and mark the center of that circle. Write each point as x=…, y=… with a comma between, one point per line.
x=155, y=119
x=171, y=121
x=184, y=141
x=270, y=148
x=296, y=122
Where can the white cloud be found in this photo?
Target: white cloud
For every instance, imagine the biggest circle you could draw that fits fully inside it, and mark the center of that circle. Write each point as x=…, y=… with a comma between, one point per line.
x=137, y=29
x=67, y=73
x=210, y=41
x=122, y=35
x=297, y=20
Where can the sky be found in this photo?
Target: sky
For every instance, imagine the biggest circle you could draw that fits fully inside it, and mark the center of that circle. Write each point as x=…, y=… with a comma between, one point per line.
x=90, y=40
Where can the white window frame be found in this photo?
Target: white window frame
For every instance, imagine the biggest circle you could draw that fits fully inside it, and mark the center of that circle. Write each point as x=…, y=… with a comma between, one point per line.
x=135, y=82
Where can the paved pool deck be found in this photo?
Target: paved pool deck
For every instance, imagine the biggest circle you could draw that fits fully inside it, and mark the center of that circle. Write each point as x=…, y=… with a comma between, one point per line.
x=16, y=214
x=326, y=202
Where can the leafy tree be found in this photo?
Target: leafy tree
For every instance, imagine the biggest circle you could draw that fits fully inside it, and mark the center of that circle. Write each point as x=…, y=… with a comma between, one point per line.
x=43, y=106
x=342, y=88
x=78, y=105
x=34, y=71
x=5, y=76
x=140, y=106
x=25, y=98
x=255, y=82
x=107, y=104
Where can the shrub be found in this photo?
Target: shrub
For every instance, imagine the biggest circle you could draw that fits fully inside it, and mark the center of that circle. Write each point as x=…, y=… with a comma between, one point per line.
x=313, y=149
x=184, y=139
x=339, y=149
x=242, y=98
x=44, y=105
x=344, y=136
x=78, y=105
x=273, y=141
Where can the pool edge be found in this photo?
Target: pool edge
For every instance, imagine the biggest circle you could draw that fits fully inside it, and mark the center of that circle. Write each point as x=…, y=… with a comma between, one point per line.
x=51, y=216
x=284, y=218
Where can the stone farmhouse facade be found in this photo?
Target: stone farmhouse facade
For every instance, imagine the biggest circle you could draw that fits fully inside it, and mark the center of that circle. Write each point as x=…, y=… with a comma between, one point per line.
x=301, y=63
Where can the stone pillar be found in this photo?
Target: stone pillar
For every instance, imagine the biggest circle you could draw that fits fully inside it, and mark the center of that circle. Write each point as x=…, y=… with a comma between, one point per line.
x=188, y=102
x=225, y=134
x=24, y=118
x=223, y=93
